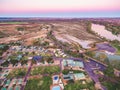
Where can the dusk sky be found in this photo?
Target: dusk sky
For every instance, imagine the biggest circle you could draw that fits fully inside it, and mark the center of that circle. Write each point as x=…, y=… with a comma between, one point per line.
x=60, y=8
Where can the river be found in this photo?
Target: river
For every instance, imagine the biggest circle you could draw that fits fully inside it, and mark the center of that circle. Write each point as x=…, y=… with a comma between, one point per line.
x=100, y=29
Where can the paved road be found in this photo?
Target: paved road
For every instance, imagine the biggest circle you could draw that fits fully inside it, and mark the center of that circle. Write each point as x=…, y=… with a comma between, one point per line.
x=97, y=64
x=90, y=72
x=26, y=76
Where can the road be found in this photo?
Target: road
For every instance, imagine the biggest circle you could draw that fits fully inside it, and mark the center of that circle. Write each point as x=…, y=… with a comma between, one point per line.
x=26, y=76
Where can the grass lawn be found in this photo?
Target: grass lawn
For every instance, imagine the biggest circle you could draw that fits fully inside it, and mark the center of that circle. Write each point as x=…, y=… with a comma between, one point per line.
x=39, y=84
x=78, y=86
x=15, y=22
x=45, y=70
x=17, y=73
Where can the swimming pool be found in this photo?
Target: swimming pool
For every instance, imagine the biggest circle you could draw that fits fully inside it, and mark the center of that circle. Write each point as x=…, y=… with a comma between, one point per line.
x=55, y=77
x=56, y=88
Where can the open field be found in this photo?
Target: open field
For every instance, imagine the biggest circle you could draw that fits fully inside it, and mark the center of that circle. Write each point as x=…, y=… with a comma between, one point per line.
x=73, y=29
x=61, y=29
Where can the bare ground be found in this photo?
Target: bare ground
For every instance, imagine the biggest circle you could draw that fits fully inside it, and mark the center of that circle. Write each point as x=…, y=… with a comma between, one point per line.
x=60, y=29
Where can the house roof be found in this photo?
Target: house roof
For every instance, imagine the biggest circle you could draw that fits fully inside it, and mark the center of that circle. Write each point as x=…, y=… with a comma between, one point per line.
x=2, y=46
x=73, y=63
x=19, y=57
x=1, y=61
x=7, y=82
x=37, y=58
x=79, y=75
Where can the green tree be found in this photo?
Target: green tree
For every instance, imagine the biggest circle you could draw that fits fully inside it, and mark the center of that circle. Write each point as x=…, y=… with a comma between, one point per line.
x=107, y=61
x=20, y=28
x=109, y=71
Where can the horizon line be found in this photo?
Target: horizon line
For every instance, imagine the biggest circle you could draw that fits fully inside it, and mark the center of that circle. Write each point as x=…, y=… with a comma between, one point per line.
x=60, y=17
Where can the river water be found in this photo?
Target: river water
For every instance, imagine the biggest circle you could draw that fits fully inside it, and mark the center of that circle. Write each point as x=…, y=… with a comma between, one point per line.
x=100, y=29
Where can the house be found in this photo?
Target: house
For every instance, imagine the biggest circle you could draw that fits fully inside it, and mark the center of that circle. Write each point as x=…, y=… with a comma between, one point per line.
x=7, y=82
x=29, y=58
x=2, y=61
x=74, y=77
x=67, y=78
x=19, y=57
x=73, y=64
x=98, y=86
x=12, y=84
x=37, y=58
x=5, y=73
x=116, y=73
x=79, y=76
x=3, y=88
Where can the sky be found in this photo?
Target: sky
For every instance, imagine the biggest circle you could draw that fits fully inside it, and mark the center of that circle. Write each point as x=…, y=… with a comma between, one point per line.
x=60, y=8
